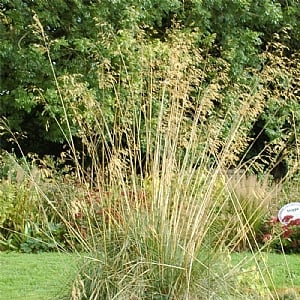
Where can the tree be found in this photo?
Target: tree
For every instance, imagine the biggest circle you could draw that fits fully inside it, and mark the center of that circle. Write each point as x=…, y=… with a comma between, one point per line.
x=58, y=59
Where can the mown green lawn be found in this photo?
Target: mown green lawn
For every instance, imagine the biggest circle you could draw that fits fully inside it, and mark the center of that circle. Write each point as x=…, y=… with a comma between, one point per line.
x=280, y=271
x=36, y=276
x=48, y=276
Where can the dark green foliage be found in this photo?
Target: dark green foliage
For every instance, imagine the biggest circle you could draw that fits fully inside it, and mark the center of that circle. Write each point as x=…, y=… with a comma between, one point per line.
x=54, y=238
x=57, y=56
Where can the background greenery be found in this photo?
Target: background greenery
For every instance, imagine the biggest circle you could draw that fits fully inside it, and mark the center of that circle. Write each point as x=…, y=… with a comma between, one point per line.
x=231, y=49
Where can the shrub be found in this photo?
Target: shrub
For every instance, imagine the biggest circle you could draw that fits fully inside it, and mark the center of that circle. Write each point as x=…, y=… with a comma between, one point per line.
x=283, y=238
x=29, y=218
x=19, y=206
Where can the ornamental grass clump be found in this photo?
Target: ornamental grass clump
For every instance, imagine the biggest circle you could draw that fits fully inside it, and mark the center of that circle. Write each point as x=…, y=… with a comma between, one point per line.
x=251, y=199
x=162, y=247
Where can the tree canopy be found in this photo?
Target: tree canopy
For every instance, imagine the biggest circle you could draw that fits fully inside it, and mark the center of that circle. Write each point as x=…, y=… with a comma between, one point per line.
x=58, y=57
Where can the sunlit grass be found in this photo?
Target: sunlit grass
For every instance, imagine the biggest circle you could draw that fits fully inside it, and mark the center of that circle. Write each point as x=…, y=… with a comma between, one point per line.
x=42, y=276
x=283, y=270
x=50, y=275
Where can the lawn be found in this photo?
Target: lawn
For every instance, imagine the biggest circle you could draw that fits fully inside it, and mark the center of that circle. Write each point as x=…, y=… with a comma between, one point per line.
x=283, y=270
x=36, y=276
x=49, y=275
